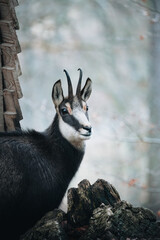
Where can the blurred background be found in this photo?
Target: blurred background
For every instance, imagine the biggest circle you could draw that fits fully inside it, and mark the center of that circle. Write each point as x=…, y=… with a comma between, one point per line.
x=116, y=44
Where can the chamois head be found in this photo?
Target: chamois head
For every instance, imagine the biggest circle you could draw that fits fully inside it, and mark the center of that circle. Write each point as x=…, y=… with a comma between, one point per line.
x=72, y=111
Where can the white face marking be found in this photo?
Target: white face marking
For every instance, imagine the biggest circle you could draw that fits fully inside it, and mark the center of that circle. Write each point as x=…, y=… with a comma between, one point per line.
x=71, y=135
x=79, y=114
x=76, y=138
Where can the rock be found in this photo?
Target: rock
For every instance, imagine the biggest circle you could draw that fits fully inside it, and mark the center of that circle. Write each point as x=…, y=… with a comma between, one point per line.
x=48, y=228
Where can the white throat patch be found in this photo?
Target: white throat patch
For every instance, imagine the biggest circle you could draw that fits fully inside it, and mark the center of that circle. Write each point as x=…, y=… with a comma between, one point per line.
x=70, y=134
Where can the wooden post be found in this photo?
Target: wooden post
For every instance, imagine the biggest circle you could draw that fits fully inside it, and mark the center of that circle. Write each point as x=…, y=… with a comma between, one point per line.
x=10, y=91
x=1, y=99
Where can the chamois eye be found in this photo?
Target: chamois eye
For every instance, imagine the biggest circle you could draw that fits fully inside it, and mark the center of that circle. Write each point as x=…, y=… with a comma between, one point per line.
x=87, y=108
x=64, y=111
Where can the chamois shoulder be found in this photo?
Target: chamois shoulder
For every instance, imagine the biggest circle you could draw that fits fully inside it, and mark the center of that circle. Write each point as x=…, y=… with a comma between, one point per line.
x=21, y=133
x=23, y=137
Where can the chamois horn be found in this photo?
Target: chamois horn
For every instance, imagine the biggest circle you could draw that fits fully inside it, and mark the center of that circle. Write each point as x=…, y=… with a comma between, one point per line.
x=78, y=92
x=70, y=89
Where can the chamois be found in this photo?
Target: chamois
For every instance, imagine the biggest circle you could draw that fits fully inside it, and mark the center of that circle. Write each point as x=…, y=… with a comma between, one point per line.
x=37, y=167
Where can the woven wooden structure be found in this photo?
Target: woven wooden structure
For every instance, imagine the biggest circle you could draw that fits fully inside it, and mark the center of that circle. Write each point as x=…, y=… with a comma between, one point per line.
x=10, y=91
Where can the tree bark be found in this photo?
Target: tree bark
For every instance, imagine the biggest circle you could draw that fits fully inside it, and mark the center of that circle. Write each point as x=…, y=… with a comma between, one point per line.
x=96, y=212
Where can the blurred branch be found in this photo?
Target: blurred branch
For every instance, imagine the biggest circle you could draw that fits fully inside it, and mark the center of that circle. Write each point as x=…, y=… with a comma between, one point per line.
x=140, y=138
x=146, y=140
x=146, y=7
x=58, y=48
x=136, y=185
x=137, y=139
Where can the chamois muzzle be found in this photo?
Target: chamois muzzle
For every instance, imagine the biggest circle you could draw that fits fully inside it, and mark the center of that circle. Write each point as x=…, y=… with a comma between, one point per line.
x=86, y=132
x=89, y=129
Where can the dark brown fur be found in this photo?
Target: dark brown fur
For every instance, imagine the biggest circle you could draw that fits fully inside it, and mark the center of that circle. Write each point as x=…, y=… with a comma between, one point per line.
x=35, y=170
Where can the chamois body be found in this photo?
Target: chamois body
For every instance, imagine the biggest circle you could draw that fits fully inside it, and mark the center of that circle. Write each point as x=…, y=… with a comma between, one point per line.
x=37, y=167
x=34, y=181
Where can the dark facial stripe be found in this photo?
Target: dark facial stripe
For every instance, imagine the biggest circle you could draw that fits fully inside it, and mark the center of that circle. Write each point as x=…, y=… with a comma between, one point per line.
x=72, y=121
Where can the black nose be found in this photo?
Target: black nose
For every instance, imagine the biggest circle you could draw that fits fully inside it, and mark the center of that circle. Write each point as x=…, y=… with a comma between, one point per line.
x=89, y=129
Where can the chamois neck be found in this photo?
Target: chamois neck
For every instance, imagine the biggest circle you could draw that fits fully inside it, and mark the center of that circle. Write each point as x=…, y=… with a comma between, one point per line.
x=53, y=130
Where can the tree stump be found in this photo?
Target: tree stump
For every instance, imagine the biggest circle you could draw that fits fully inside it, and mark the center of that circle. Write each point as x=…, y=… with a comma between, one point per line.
x=49, y=227
x=96, y=212
x=84, y=199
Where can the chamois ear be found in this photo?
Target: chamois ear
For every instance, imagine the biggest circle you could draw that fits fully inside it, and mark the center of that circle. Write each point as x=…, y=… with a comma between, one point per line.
x=87, y=89
x=57, y=93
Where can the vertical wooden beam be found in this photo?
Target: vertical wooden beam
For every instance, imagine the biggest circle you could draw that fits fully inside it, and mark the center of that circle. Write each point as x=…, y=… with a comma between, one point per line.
x=10, y=91
x=1, y=98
